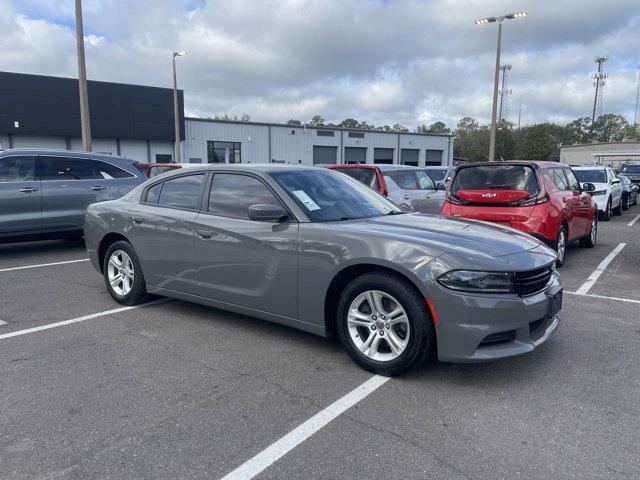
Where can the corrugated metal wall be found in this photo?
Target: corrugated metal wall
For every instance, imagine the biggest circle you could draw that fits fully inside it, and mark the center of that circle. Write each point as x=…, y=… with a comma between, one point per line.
x=284, y=144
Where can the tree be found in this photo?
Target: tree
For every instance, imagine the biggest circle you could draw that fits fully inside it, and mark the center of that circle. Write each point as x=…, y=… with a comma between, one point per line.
x=399, y=128
x=293, y=121
x=436, y=127
x=317, y=121
x=578, y=131
x=609, y=128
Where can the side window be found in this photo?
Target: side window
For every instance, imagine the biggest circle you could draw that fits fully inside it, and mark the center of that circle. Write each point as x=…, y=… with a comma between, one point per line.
x=559, y=179
x=106, y=170
x=153, y=194
x=182, y=192
x=232, y=195
x=406, y=180
x=63, y=168
x=573, y=181
x=17, y=169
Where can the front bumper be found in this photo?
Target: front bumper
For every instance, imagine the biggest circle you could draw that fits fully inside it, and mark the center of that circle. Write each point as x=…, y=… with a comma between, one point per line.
x=601, y=202
x=477, y=328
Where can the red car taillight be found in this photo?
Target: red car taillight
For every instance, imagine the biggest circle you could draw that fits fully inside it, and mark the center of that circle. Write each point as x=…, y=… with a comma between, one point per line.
x=537, y=200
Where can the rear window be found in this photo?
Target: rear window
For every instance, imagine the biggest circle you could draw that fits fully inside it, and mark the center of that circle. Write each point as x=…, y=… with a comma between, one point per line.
x=363, y=175
x=591, y=176
x=631, y=169
x=496, y=177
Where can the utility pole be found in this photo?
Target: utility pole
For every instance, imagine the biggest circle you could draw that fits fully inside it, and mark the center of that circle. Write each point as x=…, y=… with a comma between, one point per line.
x=496, y=77
x=85, y=121
x=176, y=118
x=636, y=118
x=598, y=82
x=519, y=110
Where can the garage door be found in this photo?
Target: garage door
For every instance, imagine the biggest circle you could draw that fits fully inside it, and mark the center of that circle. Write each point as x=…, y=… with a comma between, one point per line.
x=383, y=155
x=434, y=157
x=323, y=154
x=355, y=155
x=409, y=156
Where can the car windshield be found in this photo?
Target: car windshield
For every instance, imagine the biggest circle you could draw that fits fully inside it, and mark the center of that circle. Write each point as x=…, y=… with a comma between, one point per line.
x=631, y=169
x=437, y=174
x=327, y=196
x=591, y=176
x=424, y=181
x=496, y=177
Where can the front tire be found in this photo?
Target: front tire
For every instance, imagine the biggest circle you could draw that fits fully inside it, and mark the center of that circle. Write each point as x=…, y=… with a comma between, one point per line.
x=618, y=210
x=123, y=274
x=384, y=324
x=625, y=203
x=590, y=240
x=606, y=215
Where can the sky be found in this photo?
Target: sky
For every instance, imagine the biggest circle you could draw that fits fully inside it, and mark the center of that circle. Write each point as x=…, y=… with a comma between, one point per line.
x=384, y=62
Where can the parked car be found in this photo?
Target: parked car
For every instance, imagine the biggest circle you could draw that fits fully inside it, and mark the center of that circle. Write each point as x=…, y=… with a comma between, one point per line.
x=631, y=171
x=543, y=199
x=440, y=175
x=629, y=192
x=44, y=193
x=607, y=191
x=409, y=187
x=153, y=169
x=310, y=248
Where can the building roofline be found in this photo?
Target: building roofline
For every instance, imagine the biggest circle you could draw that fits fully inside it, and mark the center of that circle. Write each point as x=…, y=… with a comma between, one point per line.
x=313, y=127
x=618, y=142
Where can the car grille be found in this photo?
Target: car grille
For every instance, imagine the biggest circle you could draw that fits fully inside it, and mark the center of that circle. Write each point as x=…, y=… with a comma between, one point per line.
x=532, y=281
x=500, y=337
x=535, y=325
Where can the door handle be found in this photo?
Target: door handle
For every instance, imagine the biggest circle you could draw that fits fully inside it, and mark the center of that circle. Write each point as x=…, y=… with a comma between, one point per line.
x=137, y=219
x=28, y=189
x=407, y=197
x=205, y=233
x=98, y=187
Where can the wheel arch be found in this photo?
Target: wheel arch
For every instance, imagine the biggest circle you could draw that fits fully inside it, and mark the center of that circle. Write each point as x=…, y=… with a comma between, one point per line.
x=105, y=242
x=348, y=273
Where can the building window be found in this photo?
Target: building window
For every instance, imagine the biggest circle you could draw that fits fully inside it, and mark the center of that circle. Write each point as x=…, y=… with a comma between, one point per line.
x=356, y=134
x=324, y=133
x=163, y=158
x=223, y=152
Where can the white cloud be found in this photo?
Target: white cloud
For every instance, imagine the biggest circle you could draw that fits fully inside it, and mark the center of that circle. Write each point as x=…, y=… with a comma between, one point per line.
x=406, y=61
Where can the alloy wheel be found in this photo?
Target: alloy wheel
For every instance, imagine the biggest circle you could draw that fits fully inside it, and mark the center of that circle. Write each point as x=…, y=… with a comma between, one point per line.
x=378, y=325
x=594, y=230
x=562, y=245
x=120, y=272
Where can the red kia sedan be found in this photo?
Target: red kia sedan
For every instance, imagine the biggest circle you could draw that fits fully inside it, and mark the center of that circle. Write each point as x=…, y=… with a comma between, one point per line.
x=543, y=199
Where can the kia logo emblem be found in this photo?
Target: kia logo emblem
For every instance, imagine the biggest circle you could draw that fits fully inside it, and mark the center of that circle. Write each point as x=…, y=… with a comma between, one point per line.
x=488, y=195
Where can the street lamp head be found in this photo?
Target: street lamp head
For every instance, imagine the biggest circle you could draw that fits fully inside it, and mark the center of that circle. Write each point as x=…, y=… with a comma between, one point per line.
x=511, y=16
x=180, y=53
x=482, y=21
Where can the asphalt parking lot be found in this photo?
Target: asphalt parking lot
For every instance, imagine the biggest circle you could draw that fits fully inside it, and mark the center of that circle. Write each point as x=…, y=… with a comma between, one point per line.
x=175, y=390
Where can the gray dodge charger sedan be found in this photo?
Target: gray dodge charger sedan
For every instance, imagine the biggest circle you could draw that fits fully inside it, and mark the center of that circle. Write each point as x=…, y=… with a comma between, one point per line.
x=314, y=249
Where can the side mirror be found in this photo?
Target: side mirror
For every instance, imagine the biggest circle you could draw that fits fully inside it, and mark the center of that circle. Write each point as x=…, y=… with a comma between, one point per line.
x=615, y=181
x=588, y=187
x=261, y=212
x=441, y=186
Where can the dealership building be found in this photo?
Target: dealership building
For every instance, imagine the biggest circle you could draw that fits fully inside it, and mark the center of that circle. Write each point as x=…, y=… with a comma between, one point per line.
x=137, y=122
x=612, y=154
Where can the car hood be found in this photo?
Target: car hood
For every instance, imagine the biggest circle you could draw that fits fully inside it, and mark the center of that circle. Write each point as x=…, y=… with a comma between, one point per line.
x=445, y=235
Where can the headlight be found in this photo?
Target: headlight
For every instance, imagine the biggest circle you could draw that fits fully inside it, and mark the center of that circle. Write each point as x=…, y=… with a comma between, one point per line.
x=599, y=192
x=478, y=282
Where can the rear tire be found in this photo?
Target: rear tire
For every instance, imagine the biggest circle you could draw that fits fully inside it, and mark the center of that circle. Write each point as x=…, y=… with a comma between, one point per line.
x=123, y=274
x=617, y=211
x=590, y=240
x=625, y=203
x=368, y=339
x=561, y=246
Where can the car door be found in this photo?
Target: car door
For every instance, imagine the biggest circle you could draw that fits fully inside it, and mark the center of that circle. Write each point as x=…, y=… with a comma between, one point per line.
x=20, y=195
x=69, y=186
x=616, y=187
x=568, y=201
x=244, y=262
x=581, y=204
x=162, y=230
x=427, y=200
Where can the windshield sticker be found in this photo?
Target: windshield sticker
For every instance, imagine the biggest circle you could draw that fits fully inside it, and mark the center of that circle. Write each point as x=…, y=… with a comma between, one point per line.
x=306, y=200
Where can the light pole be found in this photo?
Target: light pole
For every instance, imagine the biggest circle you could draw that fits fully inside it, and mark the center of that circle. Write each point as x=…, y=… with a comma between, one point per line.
x=176, y=118
x=85, y=122
x=482, y=21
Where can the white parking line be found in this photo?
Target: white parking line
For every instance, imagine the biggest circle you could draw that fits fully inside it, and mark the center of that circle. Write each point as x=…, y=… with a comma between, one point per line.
x=48, y=326
x=24, y=267
x=586, y=286
x=635, y=219
x=604, y=297
x=278, y=449
x=2, y=323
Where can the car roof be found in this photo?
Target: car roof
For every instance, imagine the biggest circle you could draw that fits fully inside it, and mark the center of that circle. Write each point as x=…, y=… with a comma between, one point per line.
x=383, y=167
x=66, y=153
x=252, y=167
x=539, y=163
x=590, y=167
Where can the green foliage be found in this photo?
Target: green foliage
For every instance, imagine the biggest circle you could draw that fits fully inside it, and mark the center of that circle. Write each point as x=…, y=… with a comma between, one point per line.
x=317, y=121
x=293, y=121
x=436, y=127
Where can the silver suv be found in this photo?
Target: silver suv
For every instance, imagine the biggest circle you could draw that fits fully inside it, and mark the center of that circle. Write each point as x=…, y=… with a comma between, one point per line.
x=45, y=193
